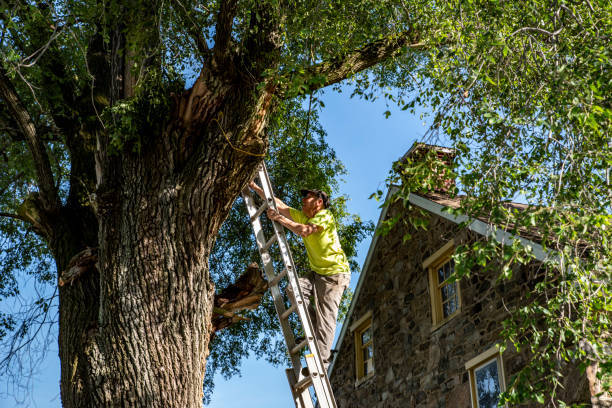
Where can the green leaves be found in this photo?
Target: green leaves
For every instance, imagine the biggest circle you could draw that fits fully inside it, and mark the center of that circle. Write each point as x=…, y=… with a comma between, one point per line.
x=144, y=114
x=518, y=89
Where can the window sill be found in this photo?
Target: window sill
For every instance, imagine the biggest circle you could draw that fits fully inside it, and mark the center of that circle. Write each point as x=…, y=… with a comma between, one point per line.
x=365, y=379
x=438, y=325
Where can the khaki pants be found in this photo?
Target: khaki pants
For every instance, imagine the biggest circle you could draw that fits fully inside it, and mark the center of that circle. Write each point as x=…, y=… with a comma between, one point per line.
x=326, y=292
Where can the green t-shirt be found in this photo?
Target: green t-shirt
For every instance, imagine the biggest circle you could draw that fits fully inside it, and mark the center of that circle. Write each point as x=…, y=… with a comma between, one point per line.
x=325, y=254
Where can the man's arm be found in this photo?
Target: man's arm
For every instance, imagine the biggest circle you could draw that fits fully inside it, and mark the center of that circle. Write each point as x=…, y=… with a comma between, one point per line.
x=302, y=230
x=282, y=207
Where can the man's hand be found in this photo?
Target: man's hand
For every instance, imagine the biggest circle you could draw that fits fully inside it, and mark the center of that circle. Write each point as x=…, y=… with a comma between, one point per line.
x=258, y=190
x=282, y=207
x=273, y=214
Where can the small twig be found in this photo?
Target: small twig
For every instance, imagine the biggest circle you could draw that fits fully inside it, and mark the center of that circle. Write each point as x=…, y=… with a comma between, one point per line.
x=31, y=87
x=540, y=30
x=41, y=51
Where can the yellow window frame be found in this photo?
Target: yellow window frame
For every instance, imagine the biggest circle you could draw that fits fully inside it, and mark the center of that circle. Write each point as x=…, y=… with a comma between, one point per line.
x=358, y=328
x=432, y=264
x=481, y=360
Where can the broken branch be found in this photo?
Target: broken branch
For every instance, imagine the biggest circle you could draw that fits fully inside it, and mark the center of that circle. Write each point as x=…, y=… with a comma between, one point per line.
x=244, y=294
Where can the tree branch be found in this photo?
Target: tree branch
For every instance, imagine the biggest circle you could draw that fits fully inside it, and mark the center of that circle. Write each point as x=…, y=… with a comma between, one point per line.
x=223, y=31
x=35, y=145
x=244, y=294
x=193, y=29
x=8, y=126
x=335, y=71
x=15, y=216
x=78, y=265
x=537, y=29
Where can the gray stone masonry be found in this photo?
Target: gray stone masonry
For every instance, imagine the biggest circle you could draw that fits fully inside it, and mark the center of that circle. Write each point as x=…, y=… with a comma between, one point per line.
x=413, y=365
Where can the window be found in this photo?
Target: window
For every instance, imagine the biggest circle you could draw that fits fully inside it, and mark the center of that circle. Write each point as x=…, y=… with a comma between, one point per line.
x=445, y=293
x=486, y=378
x=364, y=347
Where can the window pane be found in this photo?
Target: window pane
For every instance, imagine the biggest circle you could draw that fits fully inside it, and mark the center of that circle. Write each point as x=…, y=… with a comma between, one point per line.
x=487, y=385
x=446, y=308
x=366, y=336
x=448, y=291
x=445, y=271
x=441, y=277
x=449, y=299
x=451, y=266
x=445, y=292
x=367, y=353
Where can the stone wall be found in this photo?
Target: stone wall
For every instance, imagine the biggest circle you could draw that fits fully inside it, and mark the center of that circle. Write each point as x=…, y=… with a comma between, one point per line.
x=415, y=366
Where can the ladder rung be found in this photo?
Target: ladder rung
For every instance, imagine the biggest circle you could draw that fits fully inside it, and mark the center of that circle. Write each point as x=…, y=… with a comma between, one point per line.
x=296, y=349
x=268, y=244
x=259, y=211
x=278, y=278
x=287, y=312
x=303, y=383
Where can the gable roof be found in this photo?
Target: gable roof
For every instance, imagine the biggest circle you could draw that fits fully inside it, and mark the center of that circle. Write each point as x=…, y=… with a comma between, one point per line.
x=436, y=204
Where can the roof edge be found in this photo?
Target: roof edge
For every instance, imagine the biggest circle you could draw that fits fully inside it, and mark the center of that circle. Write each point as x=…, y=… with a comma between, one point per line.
x=364, y=269
x=480, y=227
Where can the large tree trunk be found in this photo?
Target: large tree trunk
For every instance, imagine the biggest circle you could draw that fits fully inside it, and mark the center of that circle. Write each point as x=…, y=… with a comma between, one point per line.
x=143, y=339
x=156, y=300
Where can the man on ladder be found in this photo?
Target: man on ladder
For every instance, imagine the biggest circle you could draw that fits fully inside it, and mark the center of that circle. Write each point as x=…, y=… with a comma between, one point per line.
x=330, y=274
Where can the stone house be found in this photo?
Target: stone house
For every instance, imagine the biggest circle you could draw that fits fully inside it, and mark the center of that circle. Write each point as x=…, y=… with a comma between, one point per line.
x=413, y=339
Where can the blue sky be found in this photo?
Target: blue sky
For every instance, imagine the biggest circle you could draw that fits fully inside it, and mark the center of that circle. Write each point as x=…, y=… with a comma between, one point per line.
x=367, y=143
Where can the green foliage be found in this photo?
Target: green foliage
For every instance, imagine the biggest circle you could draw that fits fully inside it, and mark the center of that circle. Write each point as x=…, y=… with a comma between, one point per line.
x=521, y=90
x=143, y=115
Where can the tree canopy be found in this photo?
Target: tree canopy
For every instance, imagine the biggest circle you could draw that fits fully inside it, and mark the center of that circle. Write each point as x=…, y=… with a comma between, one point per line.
x=94, y=92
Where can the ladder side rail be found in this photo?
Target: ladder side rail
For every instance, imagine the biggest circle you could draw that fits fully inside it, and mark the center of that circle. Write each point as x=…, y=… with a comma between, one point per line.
x=318, y=375
x=268, y=266
x=301, y=398
x=292, y=276
x=322, y=386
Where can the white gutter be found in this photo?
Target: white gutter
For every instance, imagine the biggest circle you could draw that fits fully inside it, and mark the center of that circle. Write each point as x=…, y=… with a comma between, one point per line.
x=480, y=227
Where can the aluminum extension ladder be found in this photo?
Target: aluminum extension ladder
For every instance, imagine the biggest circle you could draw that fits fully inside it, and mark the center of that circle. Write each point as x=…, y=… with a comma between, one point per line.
x=316, y=376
